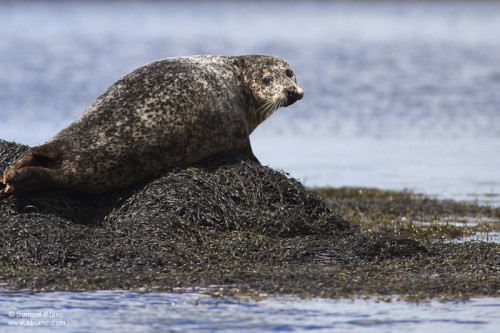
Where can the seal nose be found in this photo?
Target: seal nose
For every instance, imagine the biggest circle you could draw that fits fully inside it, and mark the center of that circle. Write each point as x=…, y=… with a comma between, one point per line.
x=293, y=95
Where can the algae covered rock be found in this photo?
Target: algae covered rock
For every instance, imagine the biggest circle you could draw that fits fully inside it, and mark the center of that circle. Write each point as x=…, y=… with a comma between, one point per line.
x=221, y=209
x=225, y=221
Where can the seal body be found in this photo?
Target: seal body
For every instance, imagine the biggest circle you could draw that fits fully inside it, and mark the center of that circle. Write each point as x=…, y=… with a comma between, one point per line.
x=171, y=112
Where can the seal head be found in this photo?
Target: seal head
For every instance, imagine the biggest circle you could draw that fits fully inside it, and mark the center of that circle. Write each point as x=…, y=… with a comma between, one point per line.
x=273, y=85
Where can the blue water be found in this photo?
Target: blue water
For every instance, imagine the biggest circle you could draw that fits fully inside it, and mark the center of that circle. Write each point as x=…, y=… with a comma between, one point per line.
x=398, y=95
x=114, y=311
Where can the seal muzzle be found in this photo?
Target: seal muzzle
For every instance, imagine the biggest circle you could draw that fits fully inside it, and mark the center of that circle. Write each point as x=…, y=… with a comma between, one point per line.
x=293, y=96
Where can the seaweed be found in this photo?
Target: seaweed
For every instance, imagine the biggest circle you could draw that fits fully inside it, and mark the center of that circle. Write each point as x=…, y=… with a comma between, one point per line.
x=231, y=227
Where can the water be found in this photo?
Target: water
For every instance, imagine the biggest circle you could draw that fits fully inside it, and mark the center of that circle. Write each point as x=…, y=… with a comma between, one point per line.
x=398, y=95
x=115, y=311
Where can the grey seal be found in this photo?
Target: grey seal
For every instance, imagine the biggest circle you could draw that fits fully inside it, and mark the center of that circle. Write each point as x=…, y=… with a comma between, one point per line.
x=171, y=112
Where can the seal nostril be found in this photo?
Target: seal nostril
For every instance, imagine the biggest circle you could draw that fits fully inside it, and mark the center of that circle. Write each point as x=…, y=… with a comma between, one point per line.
x=293, y=95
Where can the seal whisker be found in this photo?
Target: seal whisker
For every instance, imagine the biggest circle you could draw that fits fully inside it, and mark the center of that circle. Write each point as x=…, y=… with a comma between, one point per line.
x=275, y=105
x=267, y=109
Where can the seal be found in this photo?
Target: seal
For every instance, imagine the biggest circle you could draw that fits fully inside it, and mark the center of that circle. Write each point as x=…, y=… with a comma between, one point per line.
x=168, y=113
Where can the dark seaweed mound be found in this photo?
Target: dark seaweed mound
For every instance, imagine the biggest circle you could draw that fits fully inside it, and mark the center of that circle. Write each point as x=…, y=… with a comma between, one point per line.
x=224, y=222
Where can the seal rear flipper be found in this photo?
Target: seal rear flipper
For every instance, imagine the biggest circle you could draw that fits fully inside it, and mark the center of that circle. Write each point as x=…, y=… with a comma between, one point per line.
x=4, y=189
x=35, y=169
x=42, y=156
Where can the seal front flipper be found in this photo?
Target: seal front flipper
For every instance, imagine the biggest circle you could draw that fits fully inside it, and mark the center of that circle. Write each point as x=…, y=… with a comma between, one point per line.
x=34, y=170
x=247, y=151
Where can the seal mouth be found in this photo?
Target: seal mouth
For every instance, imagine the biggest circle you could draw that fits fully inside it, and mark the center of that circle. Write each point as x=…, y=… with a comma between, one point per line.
x=293, y=96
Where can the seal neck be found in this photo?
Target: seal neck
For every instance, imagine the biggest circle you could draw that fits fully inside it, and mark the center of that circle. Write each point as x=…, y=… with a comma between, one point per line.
x=253, y=120
x=253, y=116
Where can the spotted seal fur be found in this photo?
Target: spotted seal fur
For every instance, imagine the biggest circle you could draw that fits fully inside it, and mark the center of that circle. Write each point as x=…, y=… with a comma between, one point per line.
x=171, y=112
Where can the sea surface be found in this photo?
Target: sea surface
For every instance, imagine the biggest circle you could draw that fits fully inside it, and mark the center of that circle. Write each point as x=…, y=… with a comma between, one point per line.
x=398, y=95
x=117, y=311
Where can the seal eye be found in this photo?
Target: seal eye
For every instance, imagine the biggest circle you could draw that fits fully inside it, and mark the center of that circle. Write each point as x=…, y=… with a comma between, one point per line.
x=267, y=80
x=289, y=73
